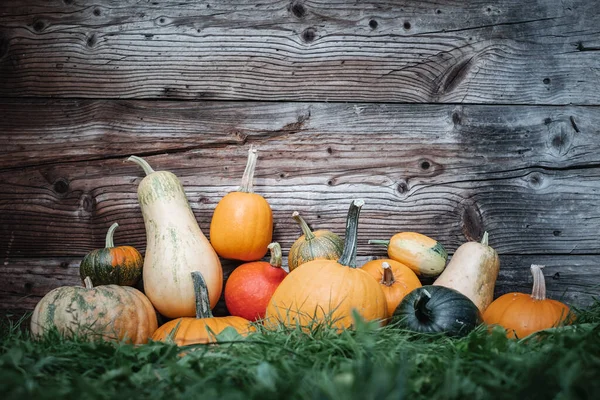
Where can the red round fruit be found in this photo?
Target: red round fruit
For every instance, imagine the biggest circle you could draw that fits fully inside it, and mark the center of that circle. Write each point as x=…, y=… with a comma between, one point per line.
x=250, y=286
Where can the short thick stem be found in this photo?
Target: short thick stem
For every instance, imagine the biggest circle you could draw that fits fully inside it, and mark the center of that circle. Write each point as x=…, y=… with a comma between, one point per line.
x=110, y=241
x=248, y=177
x=276, y=255
x=348, y=257
x=388, y=276
x=308, y=234
x=88, y=283
x=422, y=312
x=142, y=163
x=539, y=282
x=201, y=293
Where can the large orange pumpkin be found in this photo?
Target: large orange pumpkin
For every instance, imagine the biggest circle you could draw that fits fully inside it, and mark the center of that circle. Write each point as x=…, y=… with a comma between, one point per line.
x=395, y=278
x=202, y=329
x=522, y=314
x=242, y=224
x=327, y=291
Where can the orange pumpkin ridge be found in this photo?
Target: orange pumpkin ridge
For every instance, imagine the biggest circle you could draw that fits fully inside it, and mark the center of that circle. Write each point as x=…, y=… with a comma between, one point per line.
x=205, y=327
x=522, y=314
x=242, y=224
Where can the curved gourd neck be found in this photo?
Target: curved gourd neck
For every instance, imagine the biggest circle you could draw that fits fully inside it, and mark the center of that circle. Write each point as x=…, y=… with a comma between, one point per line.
x=308, y=234
x=276, y=255
x=248, y=177
x=110, y=242
x=539, y=283
x=348, y=257
x=201, y=293
x=388, y=276
x=142, y=163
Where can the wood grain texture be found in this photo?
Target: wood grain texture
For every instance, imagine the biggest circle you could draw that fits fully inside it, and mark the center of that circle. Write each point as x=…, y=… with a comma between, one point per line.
x=572, y=279
x=524, y=174
x=456, y=51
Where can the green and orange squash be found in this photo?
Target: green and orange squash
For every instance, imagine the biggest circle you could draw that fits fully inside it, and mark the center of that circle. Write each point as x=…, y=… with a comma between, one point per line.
x=424, y=255
x=112, y=265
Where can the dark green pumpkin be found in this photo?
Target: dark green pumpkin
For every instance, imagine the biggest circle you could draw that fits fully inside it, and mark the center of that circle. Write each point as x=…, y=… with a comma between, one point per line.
x=437, y=309
x=321, y=244
x=112, y=265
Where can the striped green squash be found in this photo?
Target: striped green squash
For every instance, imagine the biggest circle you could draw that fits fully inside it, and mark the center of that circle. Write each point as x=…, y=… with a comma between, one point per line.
x=317, y=245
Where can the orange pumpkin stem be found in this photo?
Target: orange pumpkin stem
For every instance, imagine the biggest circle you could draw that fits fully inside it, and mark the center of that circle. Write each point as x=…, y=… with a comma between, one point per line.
x=142, y=163
x=202, y=299
x=110, y=242
x=388, y=276
x=276, y=255
x=88, y=283
x=348, y=257
x=539, y=282
x=248, y=177
x=308, y=235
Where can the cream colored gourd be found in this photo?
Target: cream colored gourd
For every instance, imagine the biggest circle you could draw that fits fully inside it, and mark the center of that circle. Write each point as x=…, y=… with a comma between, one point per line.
x=175, y=246
x=473, y=271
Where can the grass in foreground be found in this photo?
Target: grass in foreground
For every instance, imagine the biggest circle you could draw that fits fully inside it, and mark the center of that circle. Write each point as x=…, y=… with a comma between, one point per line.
x=367, y=363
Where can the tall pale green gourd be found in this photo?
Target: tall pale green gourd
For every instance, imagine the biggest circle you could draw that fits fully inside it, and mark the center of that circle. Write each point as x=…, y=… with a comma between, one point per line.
x=175, y=246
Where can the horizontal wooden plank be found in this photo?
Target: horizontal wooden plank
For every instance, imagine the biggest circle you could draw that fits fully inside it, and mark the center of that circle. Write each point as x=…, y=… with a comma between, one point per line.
x=572, y=279
x=474, y=138
x=459, y=51
x=65, y=209
x=528, y=175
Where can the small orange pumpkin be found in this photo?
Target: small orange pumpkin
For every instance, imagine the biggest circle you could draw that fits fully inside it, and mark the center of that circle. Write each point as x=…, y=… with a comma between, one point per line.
x=112, y=265
x=311, y=245
x=522, y=314
x=395, y=278
x=202, y=329
x=327, y=291
x=242, y=224
x=251, y=285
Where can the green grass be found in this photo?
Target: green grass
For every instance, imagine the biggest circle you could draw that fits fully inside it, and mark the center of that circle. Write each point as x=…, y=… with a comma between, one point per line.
x=367, y=363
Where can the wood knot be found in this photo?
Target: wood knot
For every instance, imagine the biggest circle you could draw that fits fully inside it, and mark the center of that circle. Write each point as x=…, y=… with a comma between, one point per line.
x=406, y=25
x=536, y=180
x=87, y=203
x=39, y=26
x=472, y=223
x=402, y=187
x=91, y=40
x=373, y=24
x=298, y=10
x=61, y=186
x=309, y=35
x=97, y=12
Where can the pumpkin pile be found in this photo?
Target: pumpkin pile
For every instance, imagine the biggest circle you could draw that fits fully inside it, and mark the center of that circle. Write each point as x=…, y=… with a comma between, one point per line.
x=183, y=278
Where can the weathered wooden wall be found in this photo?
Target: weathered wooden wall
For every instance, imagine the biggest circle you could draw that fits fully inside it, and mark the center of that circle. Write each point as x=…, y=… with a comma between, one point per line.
x=448, y=117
